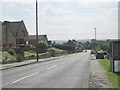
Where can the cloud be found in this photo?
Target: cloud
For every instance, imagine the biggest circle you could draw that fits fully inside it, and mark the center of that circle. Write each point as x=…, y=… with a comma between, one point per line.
x=78, y=0
x=59, y=22
x=50, y=10
x=60, y=0
x=18, y=1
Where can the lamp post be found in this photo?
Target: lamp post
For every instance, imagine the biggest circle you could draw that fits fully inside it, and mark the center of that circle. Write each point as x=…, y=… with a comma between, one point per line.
x=95, y=38
x=37, y=29
x=95, y=34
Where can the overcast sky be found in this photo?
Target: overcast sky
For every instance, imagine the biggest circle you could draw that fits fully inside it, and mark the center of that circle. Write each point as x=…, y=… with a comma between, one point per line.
x=65, y=19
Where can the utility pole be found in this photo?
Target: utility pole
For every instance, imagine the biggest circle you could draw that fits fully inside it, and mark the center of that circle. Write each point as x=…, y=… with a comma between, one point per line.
x=37, y=28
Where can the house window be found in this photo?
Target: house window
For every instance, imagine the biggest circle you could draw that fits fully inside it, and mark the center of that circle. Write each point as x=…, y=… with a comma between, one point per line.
x=21, y=41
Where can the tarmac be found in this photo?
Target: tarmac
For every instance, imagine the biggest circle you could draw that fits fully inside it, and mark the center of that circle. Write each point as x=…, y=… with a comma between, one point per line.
x=97, y=76
x=27, y=62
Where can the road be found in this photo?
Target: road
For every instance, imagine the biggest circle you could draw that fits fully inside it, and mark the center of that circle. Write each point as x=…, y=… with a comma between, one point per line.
x=72, y=71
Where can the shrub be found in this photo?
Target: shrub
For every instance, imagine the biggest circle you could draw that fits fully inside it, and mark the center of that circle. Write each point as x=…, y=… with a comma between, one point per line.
x=42, y=46
x=19, y=58
x=57, y=52
x=0, y=57
x=8, y=58
x=80, y=50
x=30, y=53
x=68, y=48
x=12, y=51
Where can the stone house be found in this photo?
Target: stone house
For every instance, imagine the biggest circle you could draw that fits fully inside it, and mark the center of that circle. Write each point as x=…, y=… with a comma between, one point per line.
x=32, y=39
x=74, y=44
x=0, y=34
x=14, y=34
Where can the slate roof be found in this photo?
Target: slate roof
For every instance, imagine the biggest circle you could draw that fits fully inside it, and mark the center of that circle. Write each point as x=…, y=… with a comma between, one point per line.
x=13, y=26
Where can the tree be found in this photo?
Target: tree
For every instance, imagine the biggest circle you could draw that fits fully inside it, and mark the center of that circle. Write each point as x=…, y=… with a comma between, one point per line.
x=42, y=46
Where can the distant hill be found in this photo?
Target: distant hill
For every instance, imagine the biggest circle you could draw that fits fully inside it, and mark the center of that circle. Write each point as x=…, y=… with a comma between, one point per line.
x=63, y=41
x=59, y=41
x=82, y=40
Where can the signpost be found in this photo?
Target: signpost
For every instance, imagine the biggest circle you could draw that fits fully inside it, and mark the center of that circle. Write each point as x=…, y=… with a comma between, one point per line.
x=115, y=56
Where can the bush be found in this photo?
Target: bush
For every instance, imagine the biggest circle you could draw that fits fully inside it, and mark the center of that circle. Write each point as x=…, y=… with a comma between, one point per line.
x=57, y=52
x=80, y=50
x=42, y=46
x=19, y=58
x=0, y=57
x=30, y=53
x=68, y=48
x=12, y=51
x=8, y=58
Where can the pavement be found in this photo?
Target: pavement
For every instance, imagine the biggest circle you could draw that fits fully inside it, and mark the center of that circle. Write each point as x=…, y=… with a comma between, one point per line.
x=97, y=78
x=27, y=62
x=71, y=71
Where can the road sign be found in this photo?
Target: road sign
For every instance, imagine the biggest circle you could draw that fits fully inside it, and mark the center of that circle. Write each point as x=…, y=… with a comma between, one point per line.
x=115, y=56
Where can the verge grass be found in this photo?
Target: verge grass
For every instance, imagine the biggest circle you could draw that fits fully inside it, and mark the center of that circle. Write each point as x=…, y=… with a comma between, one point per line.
x=114, y=78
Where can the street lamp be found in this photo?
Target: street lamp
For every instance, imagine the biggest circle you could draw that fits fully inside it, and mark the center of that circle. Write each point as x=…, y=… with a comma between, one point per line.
x=95, y=38
x=95, y=34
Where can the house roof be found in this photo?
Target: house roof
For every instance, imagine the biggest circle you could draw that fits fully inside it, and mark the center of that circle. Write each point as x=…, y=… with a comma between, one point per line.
x=13, y=26
x=33, y=37
x=72, y=43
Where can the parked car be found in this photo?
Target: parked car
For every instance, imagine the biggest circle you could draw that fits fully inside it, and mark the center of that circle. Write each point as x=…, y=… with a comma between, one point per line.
x=106, y=55
x=100, y=55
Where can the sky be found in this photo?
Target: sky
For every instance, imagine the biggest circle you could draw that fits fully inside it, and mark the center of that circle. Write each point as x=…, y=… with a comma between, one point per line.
x=65, y=19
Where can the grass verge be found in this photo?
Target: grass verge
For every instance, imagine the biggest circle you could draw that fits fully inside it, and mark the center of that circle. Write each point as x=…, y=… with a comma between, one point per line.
x=114, y=78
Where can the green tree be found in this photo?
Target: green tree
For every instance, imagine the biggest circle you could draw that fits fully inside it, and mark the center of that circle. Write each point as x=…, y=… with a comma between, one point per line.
x=42, y=46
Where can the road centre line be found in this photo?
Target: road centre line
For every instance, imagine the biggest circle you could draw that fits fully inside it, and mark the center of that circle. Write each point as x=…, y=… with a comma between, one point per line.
x=52, y=66
x=24, y=78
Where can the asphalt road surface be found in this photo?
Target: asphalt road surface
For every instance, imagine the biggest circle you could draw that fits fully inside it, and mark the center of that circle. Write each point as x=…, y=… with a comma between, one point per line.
x=72, y=71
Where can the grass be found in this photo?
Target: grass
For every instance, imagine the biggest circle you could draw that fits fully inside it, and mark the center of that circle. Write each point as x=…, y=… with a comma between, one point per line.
x=114, y=78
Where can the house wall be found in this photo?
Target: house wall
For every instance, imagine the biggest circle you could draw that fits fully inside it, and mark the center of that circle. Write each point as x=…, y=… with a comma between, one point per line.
x=0, y=34
x=43, y=39
x=22, y=35
x=7, y=37
x=33, y=41
x=22, y=32
x=3, y=34
x=13, y=34
x=11, y=39
x=70, y=43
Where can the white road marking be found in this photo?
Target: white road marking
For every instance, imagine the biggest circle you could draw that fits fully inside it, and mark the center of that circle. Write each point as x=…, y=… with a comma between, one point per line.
x=24, y=77
x=52, y=66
